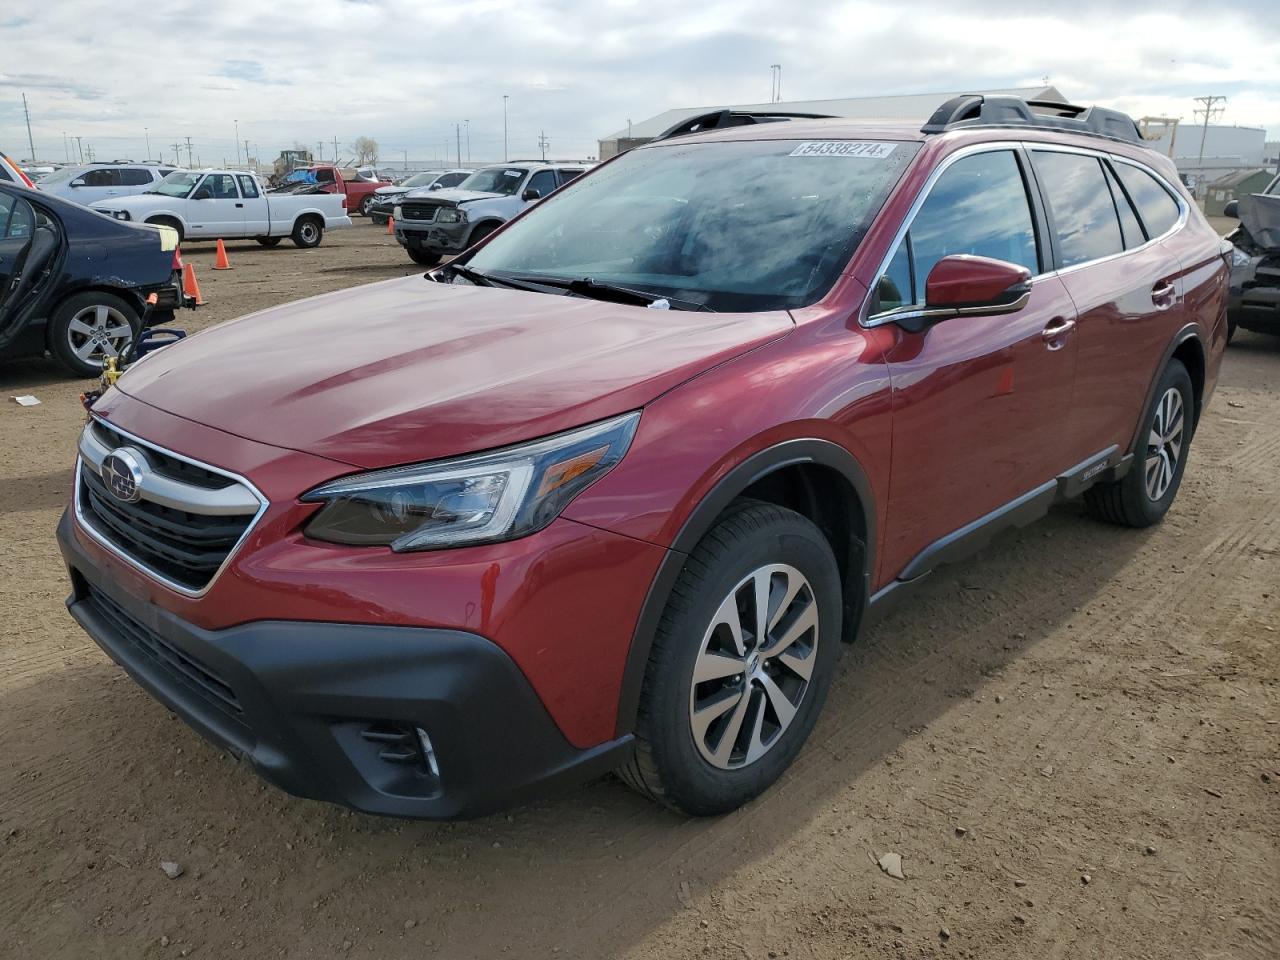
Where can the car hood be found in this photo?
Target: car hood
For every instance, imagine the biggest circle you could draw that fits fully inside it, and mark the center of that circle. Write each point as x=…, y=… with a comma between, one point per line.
x=452, y=195
x=391, y=191
x=408, y=369
x=135, y=202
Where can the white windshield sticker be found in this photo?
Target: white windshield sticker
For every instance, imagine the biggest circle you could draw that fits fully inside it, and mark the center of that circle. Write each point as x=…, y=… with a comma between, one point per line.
x=513, y=173
x=844, y=148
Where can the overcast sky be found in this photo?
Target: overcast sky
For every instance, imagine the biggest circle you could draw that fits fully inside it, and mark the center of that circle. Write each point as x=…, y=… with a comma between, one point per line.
x=405, y=71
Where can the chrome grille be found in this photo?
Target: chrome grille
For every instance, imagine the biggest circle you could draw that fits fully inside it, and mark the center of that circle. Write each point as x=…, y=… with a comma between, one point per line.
x=424, y=212
x=186, y=520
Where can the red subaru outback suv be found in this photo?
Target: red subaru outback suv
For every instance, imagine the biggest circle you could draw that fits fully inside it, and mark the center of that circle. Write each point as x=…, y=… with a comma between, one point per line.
x=610, y=490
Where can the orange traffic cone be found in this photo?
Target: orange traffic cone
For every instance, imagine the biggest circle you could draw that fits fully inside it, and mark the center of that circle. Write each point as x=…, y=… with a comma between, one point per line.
x=391, y=225
x=189, y=285
x=222, y=263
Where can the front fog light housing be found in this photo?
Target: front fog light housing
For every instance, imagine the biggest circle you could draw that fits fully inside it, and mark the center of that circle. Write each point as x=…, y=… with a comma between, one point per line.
x=483, y=498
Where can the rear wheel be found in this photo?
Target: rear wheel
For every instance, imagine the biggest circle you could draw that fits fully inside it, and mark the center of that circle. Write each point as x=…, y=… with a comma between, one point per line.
x=307, y=233
x=90, y=326
x=1143, y=495
x=741, y=663
x=269, y=241
x=365, y=203
x=428, y=258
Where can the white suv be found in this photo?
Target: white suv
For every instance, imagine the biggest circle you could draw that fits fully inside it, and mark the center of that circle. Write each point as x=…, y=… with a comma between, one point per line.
x=433, y=224
x=101, y=181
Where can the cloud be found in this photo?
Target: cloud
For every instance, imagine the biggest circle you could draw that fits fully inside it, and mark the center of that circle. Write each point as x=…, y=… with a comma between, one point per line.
x=406, y=72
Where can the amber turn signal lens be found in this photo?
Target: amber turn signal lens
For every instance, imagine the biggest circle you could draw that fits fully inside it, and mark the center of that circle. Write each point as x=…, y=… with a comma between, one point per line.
x=561, y=473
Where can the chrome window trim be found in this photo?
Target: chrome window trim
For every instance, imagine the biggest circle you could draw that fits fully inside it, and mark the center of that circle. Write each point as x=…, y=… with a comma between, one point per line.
x=106, y=544
x=866, y=319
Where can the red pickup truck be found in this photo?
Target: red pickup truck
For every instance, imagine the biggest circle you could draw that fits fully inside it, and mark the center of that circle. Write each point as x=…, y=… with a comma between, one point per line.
x=330, y=179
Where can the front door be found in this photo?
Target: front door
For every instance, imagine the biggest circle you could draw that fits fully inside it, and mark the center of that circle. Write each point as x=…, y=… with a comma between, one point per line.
x=977, y=401
x=29, y=247
x=215, y=208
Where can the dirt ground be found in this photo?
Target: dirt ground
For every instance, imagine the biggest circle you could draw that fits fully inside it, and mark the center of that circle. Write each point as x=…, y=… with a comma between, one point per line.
x=1072, y=741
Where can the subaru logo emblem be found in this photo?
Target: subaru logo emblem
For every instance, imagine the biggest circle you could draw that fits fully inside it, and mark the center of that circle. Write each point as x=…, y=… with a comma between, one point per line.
x=122, y=472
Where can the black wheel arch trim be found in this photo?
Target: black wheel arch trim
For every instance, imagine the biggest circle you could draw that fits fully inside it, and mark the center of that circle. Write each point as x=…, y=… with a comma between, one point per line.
x=1189, y=332
x=788, y=453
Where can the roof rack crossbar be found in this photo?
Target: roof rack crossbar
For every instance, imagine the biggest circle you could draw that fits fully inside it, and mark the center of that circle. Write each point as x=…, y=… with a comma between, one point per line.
x=978, y=110
x=719, y=119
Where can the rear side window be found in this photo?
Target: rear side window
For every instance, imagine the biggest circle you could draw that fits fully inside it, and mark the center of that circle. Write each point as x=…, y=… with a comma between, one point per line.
x=451, y=179
x=102, y=178
x=221, y=186
x=17, y=219
x=132, y=177
x=1129, y=225
x=1084, y=217
x=567, y=175
x=247, y=186
x=978, y=206
x=1159, y=211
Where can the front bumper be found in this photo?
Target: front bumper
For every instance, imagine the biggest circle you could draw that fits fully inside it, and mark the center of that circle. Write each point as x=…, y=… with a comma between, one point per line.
x=317, y=708
x=1254, y=299
x=442, y=238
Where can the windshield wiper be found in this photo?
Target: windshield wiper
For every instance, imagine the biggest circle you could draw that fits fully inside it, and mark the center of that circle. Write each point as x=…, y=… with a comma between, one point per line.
x=587, y=287
x=487, y=279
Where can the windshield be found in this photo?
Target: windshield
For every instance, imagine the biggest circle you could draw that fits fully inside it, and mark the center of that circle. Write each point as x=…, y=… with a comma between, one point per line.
x=61, y=176
x=740, y=226
x=177, y=184
x=420, y=180
x=505, y=180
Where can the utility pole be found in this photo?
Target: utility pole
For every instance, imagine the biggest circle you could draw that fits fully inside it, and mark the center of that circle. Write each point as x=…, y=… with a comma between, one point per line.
x=247, y=162
x=543, y=143
x=66, y=147
x=467, y=123
x=1210, y=110
x=775, y=89
x=31, y=144
x=406, y=161
x=177, y=161
x=505, y=98
x=457, y=133
x=188, y=151
x=246, y=156
x=146, y=133
x=335, y=151
x=80, y=149
x=319, y=149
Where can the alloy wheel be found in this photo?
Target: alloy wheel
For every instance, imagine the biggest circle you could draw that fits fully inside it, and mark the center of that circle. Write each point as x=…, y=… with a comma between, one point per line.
x=99, y=331
x=1164, y=443
x=754, y=666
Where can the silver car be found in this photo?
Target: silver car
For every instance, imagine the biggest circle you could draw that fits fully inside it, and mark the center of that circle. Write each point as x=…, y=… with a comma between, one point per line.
x=102, y=181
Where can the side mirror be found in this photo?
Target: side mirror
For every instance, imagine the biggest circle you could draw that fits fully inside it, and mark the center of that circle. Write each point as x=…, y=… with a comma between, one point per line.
x=965, y=285
x=531, y=195
x=1232, y=209
x=436, y=186
x=204, y=193
x=78, y=182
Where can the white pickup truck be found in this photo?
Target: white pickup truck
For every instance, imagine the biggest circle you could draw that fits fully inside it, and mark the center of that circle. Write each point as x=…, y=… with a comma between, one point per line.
x=227, y=204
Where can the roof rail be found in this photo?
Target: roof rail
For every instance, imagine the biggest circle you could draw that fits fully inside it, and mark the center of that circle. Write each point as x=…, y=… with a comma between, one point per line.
x=719, y=119
x=978, y=110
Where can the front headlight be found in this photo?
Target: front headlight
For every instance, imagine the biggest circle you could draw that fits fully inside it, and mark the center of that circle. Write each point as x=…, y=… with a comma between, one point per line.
x=475, y=499
x=450, y=215
x=1239, y=258
x=121, y=214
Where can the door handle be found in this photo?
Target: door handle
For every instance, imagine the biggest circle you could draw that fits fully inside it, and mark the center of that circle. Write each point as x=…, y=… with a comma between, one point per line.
x=1162, y=293
x=239, y=204
x=1058, y=328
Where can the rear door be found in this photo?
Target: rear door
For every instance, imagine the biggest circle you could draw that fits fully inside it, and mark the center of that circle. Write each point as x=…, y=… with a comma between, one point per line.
x=215, y=208
x=1125, y=282
x=257, y=222
x=977, y=401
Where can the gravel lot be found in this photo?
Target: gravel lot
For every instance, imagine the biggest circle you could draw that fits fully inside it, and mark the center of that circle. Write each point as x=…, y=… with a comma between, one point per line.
x=1072, y=741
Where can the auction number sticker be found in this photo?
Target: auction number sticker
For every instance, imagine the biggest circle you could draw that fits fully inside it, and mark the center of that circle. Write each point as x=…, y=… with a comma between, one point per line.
x=844, y=148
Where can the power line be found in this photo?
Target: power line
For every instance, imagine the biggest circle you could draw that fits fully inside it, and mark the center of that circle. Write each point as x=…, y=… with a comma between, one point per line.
x=1210, y=111
x=543, y=144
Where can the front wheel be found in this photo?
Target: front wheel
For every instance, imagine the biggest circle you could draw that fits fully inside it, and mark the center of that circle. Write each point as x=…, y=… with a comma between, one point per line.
x=90, y=326
x=741, y=663
x=428, y=258
x=365, y=204
x=1143, y=495
x=307, y=233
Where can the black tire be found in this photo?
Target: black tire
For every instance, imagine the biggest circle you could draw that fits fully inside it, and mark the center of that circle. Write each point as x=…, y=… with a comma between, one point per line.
x=269, y=241
x=1231, y=328
x=428, y=258
x=168, y=222
x=68, y=342
x=307, y=233
x=1129, y=501
x=378, y=220
x=669, y=764
x=480, y=232
x=365, y=203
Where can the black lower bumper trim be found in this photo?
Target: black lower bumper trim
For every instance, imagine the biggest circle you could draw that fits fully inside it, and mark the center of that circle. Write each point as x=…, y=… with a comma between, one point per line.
x=313, y=706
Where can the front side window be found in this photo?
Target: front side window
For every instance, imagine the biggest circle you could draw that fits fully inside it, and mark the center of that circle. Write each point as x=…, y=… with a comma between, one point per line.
x=504, y=180
x=451, y=179
x=544, y=181
x=745, y=225
x=1084, y=218
x=977, y=206
x=1158, y=210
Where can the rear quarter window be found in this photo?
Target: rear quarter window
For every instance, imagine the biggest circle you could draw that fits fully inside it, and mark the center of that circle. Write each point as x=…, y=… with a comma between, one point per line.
x=130, y=177
x=1158, y=209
